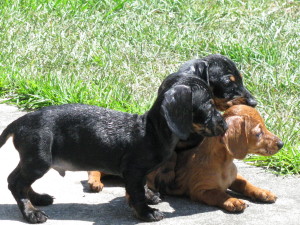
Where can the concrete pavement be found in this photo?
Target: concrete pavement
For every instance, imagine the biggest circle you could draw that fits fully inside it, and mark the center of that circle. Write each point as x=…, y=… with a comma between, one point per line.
x=74, y=205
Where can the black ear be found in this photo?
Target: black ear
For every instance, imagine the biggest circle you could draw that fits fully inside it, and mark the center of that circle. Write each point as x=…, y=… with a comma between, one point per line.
x=202, y=71
x=201, y=68
x=196, y=67
x=177, y=110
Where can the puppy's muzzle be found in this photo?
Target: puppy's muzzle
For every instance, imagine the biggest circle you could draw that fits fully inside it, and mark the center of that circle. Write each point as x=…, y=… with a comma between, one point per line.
x=243, y=98
x=280, y=144
x=250, y=100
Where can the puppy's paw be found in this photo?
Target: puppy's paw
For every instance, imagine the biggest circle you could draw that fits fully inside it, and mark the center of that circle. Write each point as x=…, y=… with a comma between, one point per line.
x=262, y=195
x=234, y=205
x=35, y=216
x=156, y=215
x=152, y=198
x=41, y=200
x=95, y=186
x=150, y=215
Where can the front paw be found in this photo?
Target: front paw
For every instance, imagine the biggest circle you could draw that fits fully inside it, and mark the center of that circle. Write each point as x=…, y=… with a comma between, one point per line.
x=152, y=198
x=262, y=195
x=35, y=216
x=148, y=214
x=234, y=205
x=95, y=186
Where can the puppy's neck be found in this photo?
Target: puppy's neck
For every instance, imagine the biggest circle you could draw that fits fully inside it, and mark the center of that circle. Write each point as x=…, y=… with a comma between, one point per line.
x=213, y=150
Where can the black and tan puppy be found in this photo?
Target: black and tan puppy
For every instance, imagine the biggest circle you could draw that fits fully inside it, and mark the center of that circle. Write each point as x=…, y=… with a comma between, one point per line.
x=81, y=137
x=221, y=75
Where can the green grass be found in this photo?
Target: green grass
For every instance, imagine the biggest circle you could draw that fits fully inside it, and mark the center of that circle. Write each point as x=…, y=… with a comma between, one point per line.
x=116, y=53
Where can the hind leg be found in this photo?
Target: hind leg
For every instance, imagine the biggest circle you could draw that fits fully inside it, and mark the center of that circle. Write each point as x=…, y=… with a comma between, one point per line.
x=19, y=183
x=134, y=184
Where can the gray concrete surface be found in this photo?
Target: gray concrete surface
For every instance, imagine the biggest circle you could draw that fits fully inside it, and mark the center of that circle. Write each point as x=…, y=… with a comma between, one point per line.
x=74, y=205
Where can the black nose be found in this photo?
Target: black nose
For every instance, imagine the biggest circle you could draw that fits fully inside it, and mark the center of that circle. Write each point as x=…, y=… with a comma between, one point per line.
x=251, y=102
x=280, y=144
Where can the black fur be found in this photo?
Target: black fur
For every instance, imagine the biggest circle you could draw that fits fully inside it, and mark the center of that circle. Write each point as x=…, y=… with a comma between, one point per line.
x=83, y=137
x=215, y=71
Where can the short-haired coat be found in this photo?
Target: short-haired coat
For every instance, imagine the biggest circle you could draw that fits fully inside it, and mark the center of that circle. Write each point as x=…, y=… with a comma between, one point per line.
x=205, y=172
x=83, y=137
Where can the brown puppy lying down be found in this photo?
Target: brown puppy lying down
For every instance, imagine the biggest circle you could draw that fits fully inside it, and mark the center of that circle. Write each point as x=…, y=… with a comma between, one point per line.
x=207, y=171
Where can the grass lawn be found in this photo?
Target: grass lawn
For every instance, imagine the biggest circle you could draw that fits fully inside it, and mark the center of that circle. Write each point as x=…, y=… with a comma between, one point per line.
x=115, y=53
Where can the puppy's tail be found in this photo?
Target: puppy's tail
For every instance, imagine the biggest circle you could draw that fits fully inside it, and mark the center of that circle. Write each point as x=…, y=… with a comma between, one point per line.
x=8, y=131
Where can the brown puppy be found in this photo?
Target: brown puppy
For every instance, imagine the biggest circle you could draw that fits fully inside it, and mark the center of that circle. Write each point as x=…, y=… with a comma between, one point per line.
x=207, y=171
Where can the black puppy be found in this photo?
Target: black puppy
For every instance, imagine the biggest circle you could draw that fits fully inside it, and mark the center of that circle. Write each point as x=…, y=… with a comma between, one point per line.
x=81, y=137
x=225, y=82
x=222, y=77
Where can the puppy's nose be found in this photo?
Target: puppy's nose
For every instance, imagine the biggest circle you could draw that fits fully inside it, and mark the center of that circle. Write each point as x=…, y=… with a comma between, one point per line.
x=280, y=144
x=251, y=102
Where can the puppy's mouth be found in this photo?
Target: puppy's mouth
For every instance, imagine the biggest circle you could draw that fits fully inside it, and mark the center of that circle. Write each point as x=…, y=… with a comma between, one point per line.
x=223, y=104
x=266, y=152
x=207, y=132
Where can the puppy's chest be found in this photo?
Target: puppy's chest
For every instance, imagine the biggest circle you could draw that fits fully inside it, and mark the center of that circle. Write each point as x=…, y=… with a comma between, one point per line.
x=227, y=175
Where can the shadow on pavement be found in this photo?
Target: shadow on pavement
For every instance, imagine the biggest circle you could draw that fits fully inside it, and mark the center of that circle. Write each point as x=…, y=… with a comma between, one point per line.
x=115, y=212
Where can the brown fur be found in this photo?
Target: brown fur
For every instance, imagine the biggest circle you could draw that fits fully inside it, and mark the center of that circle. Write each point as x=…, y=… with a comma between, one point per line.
x=207, y=171
x=94, y=181
x=223, y=104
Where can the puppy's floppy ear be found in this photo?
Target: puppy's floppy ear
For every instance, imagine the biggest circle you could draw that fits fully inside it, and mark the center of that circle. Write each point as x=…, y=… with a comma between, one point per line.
x=177, y=110
x=202, y=70
x=235, y=138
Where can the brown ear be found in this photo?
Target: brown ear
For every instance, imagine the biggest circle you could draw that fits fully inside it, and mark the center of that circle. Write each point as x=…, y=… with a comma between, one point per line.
x=235, y=138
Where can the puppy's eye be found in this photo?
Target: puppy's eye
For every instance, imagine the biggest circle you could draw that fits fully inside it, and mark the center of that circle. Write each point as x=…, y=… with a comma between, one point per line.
x=229, y=79
x=232, y=78
x=259, y=134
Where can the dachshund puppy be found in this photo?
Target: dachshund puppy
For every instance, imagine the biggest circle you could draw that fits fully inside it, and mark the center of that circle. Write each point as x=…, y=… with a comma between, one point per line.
x=221, y=75
x=207, y=171
x=225, y=82
x=80, y=137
